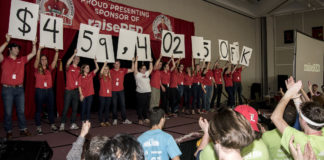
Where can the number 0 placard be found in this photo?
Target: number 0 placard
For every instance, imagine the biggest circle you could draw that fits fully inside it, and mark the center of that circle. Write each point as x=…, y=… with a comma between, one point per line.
x=87, y=41
x=51, y=32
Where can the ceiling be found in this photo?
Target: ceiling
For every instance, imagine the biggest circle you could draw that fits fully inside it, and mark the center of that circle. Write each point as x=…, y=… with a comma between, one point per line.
x=259, y=8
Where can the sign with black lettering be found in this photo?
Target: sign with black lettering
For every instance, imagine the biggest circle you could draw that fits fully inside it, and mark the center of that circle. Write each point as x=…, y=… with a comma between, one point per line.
x=23, y=20
x=87, y=41
x=178, y=46
x=234, y=51
x=126, y=44
x=143, y=47
x=246, y=56
x=51, y=32
x=207, y=50
x=166, y=43
x=223, y=50
x=105, y=50
x=197, y=47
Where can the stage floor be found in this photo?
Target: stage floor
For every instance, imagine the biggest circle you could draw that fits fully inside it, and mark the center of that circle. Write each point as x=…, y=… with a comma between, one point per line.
x=61, y=142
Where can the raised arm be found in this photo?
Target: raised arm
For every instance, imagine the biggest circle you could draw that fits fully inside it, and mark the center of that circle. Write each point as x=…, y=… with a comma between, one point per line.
x=54, y=63
x=151, y=67
x=204, y=125
x=102, y=68
x=234, y=68
x=156, y=65
x=71, y=59
x=133, y=66
x=136, y=66
x=228, y=69
x=193, y=64
x=305, y=95
x=3, y=46
x=97, y=66
x=38, y=57
x=33, y=52
x=173, y=64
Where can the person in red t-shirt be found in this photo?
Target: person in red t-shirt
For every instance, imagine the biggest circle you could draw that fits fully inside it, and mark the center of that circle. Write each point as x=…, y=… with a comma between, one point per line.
x=165, y=80
x=218, y=85
x=12, y=79
x=180, y=85
x=71, y=93
x=105, y=94
x=173, y=90
x=156, y=83
x=86, y=89
x=56, y=6
x=196, y=86
x=227, y=75
x=118, y=96
x=44, y=92
x=206, y=85
x=237, y=85
x=187, y=93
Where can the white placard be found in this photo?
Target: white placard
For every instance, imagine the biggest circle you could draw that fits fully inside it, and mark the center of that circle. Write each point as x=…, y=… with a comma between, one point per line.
x=234, y=52
x=105, y=50
x=126, y=44
x=178, y=46
x=246, y=55
x=51, y=32
x=143, y=47
x=166, y=43
x=197, y=47
x=207, y=50
x=87, y=41
x=223, y=50
x=23, y=20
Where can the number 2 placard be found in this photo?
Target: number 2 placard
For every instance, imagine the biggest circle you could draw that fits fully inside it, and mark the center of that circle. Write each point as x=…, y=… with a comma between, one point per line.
x=172, y=44
x=87, y=41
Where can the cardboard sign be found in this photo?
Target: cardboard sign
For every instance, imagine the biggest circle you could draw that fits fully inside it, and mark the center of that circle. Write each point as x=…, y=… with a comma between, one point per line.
x=245, y=56
x=178, y=46
x=166, y=43
x=51, y=32
x=234, y=51
x=223, y=50
x=105, y=50
x=207, y=50
x=23, y=20
x=197, y=47
x=143, y=47
x=126, y=44
x=87, y=41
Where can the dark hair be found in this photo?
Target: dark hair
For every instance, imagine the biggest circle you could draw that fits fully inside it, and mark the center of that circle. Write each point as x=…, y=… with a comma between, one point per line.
x=82, y=69
x=12, y=45
x=122, y=147
x=314, y=85
x=230, y=129
x=164, y=64
x=93, y=148
x=290, y=115
x=156, y=115
x=313, y=111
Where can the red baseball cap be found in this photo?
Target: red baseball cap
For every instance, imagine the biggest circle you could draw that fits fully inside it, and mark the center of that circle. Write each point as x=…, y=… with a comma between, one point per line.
x=250, y=114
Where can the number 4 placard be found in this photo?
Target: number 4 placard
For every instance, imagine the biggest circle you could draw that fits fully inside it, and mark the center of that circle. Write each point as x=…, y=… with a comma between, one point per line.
x=51, y=32
x=87, y=41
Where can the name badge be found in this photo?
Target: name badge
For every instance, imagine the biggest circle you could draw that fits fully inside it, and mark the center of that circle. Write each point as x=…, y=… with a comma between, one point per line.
x=198, y=83
x=45, y=84
x=117, y=83
x=14, y=76
x=238, y=78
x=190, y=86
x=117, y=79
x=210, y=77
x=205, y=86
x=168, y=85
x=76, y=83
x=108, y=91
x=181, y=83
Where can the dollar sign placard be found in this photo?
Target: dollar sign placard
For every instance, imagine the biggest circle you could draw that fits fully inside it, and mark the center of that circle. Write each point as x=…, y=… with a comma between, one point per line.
x=23, y=20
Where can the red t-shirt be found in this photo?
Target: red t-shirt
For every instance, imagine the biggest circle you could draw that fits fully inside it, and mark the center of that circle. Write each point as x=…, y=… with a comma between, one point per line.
x=174, y=79
x=72, y=77
x=237, y=75
x=181, y=78
x=208, y=78
x=188, y=80
x=13, y=70
x=105, y=87
x=218, y=75
x=228, y=80
x=118, y=78
x=197, y=78
x=156, y=79
x=165, y=77
x=86, y=84
x=43, y=81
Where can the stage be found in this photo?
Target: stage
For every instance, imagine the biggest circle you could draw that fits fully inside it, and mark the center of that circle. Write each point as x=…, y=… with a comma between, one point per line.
x=61, y=142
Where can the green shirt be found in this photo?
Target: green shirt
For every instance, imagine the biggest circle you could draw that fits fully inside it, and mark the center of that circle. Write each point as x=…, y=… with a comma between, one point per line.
x=272, y=140
x=317, y=142
x=255, y=151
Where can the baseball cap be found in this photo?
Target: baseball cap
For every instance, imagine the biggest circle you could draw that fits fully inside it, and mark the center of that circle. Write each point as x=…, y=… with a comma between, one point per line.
x=250, y=114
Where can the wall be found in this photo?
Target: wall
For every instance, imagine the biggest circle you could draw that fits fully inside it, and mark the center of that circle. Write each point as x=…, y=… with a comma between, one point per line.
x=213, y=22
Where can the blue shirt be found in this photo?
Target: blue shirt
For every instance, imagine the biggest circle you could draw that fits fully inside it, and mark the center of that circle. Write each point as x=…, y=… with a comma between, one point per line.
x=158, y=145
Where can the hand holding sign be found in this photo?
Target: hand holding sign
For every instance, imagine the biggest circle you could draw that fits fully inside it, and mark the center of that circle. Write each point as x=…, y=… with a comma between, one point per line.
x=87, y=41
x=126, y=44
x=143, y=47
x=23, y=20
x=246, y=55
x=51, y=31
x=105, y=50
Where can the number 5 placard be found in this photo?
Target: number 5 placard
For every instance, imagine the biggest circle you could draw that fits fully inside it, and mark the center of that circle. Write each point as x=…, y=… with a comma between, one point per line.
x=51, y=32
x=87, y=41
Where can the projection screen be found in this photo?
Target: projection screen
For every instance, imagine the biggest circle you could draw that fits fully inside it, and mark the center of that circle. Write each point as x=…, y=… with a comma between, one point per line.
x=309, y=59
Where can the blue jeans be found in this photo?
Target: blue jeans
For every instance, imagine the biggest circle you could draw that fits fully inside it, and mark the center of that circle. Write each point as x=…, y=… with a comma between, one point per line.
x=197, y=94
x=230, y=98
x=187, y=95
x=105, y=103
x=180, y=92
x=10, y=95
x=86, y=108
x=118, y=97
x=206, y=98
x=217, y=93
x=70, y=96
x=238, y=91
x=44, y=96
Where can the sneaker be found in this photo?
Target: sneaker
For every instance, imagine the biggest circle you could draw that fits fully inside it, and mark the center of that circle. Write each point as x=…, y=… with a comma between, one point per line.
x=107, y=124
x=25, y=132
x=127, y=121
x=102, y=124
x=115, y=122
x=9, y=135
x=62, y=128
x=74, y=126
x=53, y=128
x=139, y=122
x=147, y=121
x=39, y=130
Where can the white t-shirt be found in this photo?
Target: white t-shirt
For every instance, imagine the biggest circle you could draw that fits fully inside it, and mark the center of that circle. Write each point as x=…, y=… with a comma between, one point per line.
x=143, y=82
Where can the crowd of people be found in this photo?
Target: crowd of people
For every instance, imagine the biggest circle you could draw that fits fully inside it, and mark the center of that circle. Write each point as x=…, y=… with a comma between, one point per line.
x=233, y=132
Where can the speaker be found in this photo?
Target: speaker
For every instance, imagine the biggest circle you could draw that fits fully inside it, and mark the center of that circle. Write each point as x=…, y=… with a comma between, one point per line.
x=18, y=150
x=281, y=82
